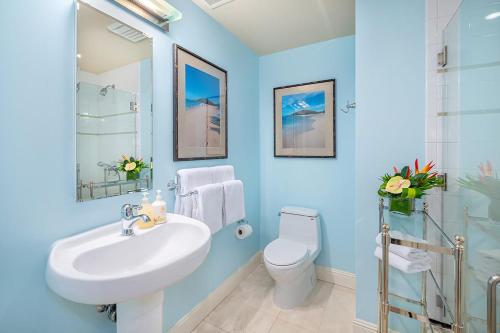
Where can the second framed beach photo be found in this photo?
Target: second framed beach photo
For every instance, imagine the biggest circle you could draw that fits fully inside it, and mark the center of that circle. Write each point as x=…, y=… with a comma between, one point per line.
x=200, y=108
x=304, y=120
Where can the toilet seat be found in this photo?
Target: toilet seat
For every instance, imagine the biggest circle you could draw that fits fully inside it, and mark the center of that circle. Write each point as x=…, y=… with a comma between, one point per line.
x=284, y=252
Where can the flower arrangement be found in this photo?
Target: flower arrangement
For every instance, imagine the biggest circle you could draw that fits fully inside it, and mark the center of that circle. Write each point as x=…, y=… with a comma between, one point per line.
x=131, y=166
x=404, y=186
x=488, y=184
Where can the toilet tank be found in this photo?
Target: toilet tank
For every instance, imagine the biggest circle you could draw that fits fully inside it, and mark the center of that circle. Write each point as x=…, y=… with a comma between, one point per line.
x=301, y=225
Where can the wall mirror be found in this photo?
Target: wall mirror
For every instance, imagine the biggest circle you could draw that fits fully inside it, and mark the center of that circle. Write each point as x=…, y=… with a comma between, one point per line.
x=114, y=107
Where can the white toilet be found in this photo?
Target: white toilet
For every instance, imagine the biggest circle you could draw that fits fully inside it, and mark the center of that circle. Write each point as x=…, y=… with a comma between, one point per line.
x=289, y=259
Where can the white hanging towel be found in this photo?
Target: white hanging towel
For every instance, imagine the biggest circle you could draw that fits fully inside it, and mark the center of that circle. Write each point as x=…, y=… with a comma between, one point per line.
x=404, y=251
x=188, y=180
x=222, y=173
x=404, y=265
x=208, y=206
x=234, y=201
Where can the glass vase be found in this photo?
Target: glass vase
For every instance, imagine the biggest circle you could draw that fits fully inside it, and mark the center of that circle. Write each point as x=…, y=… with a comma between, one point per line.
x=404, y=206
x=133, y=176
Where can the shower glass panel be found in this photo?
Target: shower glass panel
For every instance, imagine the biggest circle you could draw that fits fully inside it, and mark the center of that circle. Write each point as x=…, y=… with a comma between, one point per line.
x=106, y=124
x=470, y=139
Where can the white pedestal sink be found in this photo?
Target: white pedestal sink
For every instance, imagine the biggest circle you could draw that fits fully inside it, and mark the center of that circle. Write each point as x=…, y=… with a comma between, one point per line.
x=101, y=266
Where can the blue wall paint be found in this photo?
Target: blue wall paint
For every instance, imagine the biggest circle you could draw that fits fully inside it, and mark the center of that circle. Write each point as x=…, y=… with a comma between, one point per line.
x=390, y=101
x=324, y=184
x=37, y=142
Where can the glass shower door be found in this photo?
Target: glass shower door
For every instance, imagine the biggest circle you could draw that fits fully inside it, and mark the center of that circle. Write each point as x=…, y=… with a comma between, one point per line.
x=470, y=139
x=107, y=127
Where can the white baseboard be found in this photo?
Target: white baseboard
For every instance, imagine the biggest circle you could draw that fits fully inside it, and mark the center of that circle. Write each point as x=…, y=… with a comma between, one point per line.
x=336, y=276
x=199, y=312
x=362, y=326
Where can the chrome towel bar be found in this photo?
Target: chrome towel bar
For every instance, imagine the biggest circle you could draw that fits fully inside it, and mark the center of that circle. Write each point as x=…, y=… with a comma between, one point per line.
x=492, y=303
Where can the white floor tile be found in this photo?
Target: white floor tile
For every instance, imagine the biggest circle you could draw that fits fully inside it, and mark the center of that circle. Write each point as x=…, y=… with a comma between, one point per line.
x=250, y=309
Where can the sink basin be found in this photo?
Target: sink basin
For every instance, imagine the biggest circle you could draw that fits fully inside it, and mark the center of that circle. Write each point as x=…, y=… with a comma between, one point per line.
x=101, y=266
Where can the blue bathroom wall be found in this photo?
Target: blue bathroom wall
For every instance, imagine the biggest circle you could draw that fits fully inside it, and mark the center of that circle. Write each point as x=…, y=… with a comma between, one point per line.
x=37, y=145
x=390, y=101
x=324, y=184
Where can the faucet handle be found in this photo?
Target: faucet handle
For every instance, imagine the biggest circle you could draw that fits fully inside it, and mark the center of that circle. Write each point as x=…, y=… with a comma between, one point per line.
x=128, y=211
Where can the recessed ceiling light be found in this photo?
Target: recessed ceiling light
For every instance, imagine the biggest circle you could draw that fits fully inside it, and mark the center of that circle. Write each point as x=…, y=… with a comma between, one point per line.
x=79, y=56
x=493, y=16
x=217, y=3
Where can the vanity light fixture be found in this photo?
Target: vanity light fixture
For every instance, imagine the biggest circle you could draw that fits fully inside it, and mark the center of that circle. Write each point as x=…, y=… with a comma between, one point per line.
x=158, y=12
x=493, y=16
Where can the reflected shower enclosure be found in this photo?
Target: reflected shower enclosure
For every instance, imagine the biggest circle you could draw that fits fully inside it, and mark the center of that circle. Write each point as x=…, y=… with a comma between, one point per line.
x=113, y=106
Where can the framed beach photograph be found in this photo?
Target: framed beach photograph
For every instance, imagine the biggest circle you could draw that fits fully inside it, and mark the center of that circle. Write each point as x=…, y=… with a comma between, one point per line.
x=200, y=107
x=304, y=120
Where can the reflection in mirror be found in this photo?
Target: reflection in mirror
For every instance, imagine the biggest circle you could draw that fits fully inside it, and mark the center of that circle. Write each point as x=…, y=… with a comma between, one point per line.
x=114, y=107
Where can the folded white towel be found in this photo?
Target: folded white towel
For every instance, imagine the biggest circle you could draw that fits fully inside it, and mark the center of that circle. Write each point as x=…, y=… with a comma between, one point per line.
x=404, y=265
x=208, y=206
x=234, y=201
x=222, y=173
x=188, y=180
x=404, y=251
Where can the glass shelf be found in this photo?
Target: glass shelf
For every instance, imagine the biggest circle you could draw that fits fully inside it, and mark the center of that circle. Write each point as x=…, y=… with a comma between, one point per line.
x=468, y=67
x=105, y=134
x=406, y=222
x=93, y=116
x=469, y=113
x=116, y=183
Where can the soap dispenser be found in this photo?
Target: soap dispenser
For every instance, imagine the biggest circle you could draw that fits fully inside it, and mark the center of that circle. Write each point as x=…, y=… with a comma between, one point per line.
x=146, y=209
x=159, y=209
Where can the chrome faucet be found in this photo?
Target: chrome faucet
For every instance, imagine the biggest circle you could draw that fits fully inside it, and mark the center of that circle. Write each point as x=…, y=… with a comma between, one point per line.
x=130, y=217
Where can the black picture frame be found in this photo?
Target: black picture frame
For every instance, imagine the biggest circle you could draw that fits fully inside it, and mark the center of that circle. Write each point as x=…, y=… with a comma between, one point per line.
x=332, y=108
x=176, y=90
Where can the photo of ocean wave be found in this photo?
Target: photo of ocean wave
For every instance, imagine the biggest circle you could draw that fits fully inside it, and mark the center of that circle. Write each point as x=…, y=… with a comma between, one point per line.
x=303, y=120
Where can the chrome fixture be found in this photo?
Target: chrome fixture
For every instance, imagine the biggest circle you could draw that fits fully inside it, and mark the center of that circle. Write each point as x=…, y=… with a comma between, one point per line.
x=104, y=91
x=492, y=303
x=442, y=57
x=109, y=309
x=173, y=185
x=453, y=247
x=348, y=107
x=108, y=169
x=130, y=217
x=158, y=12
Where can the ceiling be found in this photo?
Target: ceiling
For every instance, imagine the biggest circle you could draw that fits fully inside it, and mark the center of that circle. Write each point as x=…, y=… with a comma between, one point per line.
x=269, y=26
x=101, y=50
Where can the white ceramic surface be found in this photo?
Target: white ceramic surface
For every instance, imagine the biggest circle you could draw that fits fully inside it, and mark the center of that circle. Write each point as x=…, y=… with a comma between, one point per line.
x=101, y=266
x=290, y=258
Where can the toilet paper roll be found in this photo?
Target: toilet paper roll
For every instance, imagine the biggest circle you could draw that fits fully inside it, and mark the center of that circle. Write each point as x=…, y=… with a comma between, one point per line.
x=243, y=231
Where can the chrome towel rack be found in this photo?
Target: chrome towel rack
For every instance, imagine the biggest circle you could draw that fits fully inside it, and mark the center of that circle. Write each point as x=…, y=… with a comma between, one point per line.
x=454, y=248
x=173, y=185
x=348, y=107
x=492, y=303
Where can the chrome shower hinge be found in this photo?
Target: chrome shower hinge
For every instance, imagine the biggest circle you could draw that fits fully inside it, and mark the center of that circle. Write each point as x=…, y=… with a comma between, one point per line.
x=133, y=106
x=442, y=57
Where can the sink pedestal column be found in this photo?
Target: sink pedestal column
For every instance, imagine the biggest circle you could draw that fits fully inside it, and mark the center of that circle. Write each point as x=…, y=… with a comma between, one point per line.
x=140, y=315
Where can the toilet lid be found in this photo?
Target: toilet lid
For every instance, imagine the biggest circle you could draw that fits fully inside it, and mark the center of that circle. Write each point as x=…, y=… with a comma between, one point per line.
x=284, y=252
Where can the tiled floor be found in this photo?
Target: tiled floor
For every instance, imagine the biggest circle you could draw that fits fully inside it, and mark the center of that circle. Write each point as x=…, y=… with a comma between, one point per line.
x=250, y=308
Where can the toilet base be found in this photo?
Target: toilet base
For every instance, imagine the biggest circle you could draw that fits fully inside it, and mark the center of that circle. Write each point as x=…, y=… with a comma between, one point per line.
x=292, y=293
